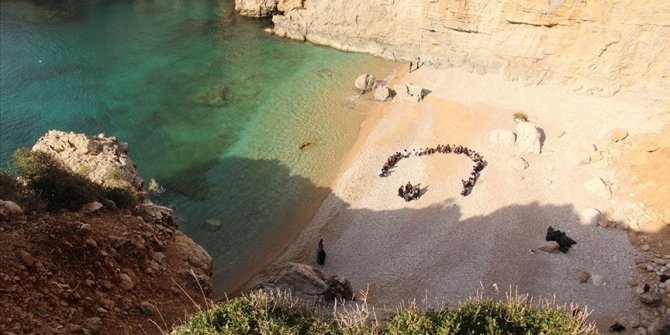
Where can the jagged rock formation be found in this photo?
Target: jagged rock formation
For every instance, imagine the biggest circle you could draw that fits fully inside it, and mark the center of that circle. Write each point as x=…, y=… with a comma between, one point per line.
x=103, y=160
x=600, y=47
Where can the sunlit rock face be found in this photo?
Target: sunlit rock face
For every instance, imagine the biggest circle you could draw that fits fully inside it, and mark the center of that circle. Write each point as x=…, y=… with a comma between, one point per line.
x=598, y=47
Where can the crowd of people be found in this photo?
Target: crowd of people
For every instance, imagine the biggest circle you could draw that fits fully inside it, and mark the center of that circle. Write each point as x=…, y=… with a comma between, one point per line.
x=468, y=184
x=409, y=191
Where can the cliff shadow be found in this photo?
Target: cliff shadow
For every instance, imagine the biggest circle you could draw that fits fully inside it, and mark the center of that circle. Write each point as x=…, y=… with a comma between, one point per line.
x=445, y=251
x=439, y=248
x=243, y=211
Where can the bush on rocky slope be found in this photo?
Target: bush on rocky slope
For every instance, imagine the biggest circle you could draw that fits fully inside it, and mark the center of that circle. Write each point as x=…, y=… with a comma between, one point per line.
x=272, y=313
x=59, y=188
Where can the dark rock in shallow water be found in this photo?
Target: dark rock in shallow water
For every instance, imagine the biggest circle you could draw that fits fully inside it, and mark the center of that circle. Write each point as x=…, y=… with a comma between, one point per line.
x=564, y=242
x=215, y=96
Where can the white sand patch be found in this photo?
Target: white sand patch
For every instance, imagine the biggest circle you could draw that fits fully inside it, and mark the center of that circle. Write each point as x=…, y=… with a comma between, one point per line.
x=445, y=246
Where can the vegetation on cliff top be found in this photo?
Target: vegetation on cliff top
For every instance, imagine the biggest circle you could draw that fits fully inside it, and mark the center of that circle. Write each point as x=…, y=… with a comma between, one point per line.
x=272, y=313
x=47, y=184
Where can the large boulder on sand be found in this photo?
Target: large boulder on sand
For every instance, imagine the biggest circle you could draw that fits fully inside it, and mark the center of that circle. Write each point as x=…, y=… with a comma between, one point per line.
x=528, y=137
x=383, y=93
x=502, y=138
x=365, y=82
x=310, y=284
x=409, y=92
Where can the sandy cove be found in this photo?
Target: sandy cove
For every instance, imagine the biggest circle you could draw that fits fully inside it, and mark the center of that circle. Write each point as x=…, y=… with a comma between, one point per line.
x=445, y=247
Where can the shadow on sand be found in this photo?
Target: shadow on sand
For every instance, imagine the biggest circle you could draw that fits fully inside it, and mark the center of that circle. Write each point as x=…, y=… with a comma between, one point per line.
x=436, y=252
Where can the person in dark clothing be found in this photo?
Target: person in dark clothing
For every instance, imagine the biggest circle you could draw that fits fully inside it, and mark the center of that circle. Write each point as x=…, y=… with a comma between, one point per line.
x=320, y=254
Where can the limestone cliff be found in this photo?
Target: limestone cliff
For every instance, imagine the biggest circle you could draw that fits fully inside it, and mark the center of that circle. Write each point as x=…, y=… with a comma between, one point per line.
x=600, y=47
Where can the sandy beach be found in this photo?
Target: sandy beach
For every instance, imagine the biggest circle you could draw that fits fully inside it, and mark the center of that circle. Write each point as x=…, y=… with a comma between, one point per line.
x=444, y=247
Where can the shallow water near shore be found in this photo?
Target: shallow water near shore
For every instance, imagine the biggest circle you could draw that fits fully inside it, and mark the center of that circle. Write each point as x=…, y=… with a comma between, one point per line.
x=213, y=108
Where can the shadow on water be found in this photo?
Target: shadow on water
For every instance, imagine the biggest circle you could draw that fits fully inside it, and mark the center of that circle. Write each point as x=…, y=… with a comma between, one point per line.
x=412, y=252
x=256, y=202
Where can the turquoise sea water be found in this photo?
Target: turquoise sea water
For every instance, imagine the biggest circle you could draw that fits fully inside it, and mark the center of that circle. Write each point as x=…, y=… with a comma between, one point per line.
x=213, y=108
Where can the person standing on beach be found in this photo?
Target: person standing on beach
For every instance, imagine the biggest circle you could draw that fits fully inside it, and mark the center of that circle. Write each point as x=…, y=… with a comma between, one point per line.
x=410, y=67
x=320, y=254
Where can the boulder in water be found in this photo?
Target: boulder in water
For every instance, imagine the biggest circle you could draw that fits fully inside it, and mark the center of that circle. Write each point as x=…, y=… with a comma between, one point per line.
x=212, y=224
x=365, y=82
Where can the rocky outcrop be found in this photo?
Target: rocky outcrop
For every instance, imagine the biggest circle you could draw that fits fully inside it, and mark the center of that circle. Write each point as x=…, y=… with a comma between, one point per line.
x=600, y=47
x=310, y=284
x=256, y=8
x=264, y=8
x=94, y=270
x=103, y=160
x=365, y=83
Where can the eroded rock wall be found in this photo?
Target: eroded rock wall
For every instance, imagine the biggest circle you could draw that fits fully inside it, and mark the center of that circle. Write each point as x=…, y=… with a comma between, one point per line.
x=599, y=47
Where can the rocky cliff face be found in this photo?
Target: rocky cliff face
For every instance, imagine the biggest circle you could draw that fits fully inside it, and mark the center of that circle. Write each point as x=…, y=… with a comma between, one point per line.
x=600, y=47
x=103, y=160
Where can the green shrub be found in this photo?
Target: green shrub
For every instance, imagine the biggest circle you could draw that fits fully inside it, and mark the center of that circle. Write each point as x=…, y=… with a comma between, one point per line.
x=257, y=313
x=411, y=321
x=122, y=197
x=59, y=188
x=268, y=313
